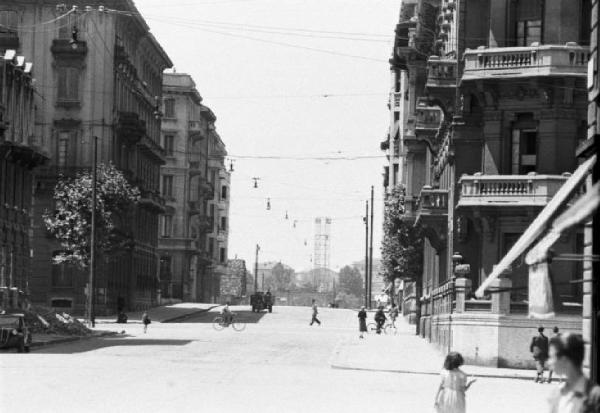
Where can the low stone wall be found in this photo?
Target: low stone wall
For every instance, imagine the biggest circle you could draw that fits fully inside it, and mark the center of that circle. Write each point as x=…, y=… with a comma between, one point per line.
x=492, y=339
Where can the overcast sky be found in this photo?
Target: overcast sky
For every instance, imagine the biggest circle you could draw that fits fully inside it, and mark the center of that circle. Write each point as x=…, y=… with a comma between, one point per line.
x=255, y=65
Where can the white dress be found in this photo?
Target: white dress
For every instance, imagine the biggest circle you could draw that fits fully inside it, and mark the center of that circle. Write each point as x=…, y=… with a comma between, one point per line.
x=452, y=397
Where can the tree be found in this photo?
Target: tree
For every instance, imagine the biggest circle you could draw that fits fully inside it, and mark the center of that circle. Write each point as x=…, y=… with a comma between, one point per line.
x=281, y=278
x=402, y=244
x=70, y=222
x=351, y=281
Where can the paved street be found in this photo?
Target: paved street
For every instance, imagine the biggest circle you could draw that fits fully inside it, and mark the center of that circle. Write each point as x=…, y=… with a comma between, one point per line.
x=278, y=364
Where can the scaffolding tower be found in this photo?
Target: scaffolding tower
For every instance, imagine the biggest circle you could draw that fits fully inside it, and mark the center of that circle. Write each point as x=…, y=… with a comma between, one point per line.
x=322, y=249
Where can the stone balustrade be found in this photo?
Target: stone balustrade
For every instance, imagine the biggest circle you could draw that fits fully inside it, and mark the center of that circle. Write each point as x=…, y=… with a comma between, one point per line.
x=509, y=190
x=441, y=72
x=442, y=298
x=428, y=117
x=532, y=61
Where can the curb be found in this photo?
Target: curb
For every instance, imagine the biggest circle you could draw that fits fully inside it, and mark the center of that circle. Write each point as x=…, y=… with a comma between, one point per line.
x=184, y=316
x=429, y=373
x=70, y=339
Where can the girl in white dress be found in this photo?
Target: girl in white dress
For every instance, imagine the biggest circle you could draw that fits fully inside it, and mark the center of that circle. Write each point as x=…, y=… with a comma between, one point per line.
x=450, y=397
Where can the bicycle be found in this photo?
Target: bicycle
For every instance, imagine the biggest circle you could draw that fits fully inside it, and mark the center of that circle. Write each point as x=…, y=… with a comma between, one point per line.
x=219, y=323
x=387, y=328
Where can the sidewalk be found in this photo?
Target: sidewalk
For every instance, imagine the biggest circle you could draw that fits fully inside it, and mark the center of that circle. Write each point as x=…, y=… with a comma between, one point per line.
x=162, y=314
x=41, y=340
x=405, y=353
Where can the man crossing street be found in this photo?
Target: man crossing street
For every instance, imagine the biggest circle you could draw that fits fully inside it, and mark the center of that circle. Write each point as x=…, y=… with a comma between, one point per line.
x=314, y=313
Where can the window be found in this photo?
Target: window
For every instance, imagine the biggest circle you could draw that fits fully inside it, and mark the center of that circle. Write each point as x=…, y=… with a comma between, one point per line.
x=529, y=31
x=68, y=84
x=222, y=255
x=169, y=142
x=9, y=21
x=528, y=22
x=167, y=186
x=62, y=156
x=223, y=192
x=62, y=274
x=211, y=247
x=169, y=108
x=585, y=22
x=524, y=151
x=223, y=224
x=166, y=227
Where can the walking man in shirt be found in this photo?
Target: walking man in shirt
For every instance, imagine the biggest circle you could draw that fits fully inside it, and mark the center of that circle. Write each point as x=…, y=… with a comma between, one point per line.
x=314, y=313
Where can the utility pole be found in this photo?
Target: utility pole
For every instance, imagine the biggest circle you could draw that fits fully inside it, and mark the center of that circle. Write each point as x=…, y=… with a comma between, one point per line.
x=93, y=237
x=371, y=250
x=366, y=220
x=256, y=269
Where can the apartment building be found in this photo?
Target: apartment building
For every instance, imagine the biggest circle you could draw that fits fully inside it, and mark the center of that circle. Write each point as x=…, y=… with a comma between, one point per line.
x=99, y=75
x=489, y=103
x=19, y=156
x=195, y=184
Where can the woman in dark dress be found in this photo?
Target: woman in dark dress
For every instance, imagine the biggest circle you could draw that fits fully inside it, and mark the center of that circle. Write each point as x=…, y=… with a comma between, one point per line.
x=362, y=321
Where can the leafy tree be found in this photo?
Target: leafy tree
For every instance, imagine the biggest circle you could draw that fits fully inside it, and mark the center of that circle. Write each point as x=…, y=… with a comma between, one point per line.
x=351, y=281
x=402, y=244
x=281, y=278
x=70, y=223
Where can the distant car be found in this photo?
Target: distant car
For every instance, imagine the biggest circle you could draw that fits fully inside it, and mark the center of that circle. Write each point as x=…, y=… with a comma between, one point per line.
x=262, y=301
x=14, y=332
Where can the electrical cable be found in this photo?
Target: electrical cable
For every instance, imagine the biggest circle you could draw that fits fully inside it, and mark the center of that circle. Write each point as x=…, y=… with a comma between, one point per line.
x=41, y=23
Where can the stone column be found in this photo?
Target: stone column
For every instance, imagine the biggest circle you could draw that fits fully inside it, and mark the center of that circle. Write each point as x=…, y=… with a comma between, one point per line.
x=463, y=287
x=501, y=300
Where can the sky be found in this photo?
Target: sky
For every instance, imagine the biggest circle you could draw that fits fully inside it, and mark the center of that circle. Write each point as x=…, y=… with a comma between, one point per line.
x=293, y=83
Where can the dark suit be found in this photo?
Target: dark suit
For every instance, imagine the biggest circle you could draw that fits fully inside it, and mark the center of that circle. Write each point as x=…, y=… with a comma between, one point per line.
x=539, y=348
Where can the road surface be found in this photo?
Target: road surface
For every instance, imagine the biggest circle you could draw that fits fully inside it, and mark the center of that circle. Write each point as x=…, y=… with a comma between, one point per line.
x=278, y=364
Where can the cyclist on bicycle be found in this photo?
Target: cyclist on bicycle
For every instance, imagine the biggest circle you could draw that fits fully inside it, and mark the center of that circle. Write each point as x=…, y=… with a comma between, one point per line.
x=227, y=315
x=380, y=319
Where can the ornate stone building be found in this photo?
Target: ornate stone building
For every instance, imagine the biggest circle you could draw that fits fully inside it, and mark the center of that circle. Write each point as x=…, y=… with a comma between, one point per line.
x=19, y=155
x=195, y=183
x=495, y=104
x=100, y=75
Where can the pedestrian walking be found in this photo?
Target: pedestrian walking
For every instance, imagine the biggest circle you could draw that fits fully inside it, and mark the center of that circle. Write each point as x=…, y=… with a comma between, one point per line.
x=539, y=349
x=556, y=332
x=362, y=321
x=145, y=321
x=577, y=394
x=394, y=312
x=450, y=397
x=380, y=319
x=314, y=313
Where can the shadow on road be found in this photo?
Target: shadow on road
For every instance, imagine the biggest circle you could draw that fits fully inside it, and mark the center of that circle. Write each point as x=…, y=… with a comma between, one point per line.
x=101, y=342
x=246, y=316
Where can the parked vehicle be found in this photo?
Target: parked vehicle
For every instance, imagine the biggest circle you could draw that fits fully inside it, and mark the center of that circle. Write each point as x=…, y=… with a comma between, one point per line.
x=262, y=301
x=14, y=332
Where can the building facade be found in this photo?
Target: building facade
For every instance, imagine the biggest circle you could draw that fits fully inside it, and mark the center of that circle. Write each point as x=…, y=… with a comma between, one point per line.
x=19, y=156
x=492, y=105
x=233, y=284
x=195, y=184
x=100, y=76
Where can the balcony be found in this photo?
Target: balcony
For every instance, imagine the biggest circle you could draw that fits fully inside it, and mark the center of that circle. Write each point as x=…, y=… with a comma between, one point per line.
x=441, y=74
x=428, y=118
x=195, y=168
x=194, y=207
x=432, y=206
x=206, y=189
x=152, y=200
x=196, y=130
x=518, y=62
x=530, y=190
x=130, y=129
